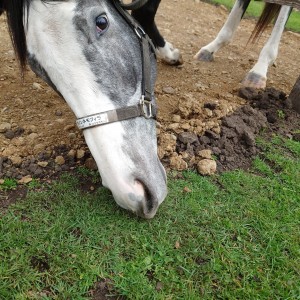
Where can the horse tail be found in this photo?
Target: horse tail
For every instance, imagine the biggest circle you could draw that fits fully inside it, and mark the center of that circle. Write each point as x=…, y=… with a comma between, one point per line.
x=270, y=12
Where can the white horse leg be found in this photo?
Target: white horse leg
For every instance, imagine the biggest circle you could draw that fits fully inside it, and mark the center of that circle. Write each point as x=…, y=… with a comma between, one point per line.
x=225, y=35
x=257, y=76
x=164, y=50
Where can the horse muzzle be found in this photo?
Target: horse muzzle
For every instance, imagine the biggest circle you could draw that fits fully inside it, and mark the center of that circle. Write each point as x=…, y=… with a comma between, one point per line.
x=139, y=196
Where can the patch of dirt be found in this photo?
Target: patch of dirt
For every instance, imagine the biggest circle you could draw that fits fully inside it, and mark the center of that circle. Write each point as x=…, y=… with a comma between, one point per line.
x=11, y=196
x=202, y=111
x=41, y=262
x=104, y=290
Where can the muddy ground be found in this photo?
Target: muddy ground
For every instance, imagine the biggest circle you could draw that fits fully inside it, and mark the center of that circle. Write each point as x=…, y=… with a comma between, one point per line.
x=202, y=111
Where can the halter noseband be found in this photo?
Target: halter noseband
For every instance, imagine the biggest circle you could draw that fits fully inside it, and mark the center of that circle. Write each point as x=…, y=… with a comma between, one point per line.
x=145, y=108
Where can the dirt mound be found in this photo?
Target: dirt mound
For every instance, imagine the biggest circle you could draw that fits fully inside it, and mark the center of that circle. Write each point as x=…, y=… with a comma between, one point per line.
x=231, y=145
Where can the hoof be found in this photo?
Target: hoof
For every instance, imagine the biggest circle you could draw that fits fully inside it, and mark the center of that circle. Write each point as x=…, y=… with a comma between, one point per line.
x=169, y=55
x=204, y=55
x=174, y=62
x=254, y=80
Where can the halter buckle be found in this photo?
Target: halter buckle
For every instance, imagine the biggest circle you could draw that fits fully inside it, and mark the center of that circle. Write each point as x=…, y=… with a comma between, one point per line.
x=146, y=108
x=139, y=31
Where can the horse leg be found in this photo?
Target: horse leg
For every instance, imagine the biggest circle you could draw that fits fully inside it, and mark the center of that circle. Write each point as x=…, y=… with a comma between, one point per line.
x=257, y=76
x=164, y=50
x=225, y=35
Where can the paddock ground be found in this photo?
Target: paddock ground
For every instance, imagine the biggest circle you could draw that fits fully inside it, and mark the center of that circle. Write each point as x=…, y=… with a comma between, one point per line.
x=46, y=122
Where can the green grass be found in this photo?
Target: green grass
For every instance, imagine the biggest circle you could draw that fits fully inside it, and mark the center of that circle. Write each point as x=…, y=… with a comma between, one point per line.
x=255, y=8
x=233, y=236
x=8, y=184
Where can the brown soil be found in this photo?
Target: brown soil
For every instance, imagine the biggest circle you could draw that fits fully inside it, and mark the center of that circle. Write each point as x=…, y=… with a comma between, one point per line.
x=192, y=99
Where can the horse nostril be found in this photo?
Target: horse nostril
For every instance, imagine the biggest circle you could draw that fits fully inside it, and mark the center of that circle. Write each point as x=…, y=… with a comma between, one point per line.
x=148, y=205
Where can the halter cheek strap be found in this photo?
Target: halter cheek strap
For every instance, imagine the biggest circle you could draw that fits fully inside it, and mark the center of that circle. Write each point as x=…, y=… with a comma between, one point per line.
x=145, y=108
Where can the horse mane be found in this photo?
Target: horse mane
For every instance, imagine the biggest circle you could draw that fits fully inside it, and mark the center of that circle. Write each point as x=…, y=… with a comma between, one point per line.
x=15, y=20
x=1, y=7
x=270, y=12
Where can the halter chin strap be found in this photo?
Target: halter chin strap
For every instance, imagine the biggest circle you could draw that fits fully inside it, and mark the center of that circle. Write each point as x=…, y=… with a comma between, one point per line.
x=145, y=108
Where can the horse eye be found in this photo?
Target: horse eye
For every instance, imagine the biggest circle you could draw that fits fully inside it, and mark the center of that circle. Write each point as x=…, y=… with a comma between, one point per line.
x=101, y=23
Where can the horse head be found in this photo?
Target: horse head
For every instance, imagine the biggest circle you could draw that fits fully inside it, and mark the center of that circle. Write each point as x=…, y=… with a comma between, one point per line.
x=90, y=55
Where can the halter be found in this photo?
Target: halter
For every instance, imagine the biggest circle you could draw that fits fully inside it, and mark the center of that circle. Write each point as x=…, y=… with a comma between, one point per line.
x=145, y=108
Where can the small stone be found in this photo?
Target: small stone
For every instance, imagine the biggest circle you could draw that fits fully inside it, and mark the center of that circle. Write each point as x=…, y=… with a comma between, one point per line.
x=39, y=148
x=4, y=127
x=25, y=179
x=168, y=90
x=208, y=112
x=80, y=153
x=72, y=135
x=43, y=164
x=176, y=118
x=58, y=113
x=158, y=125
x=33, y=136
x=31, y=128
x=187, y=190
x=207, y=167
x=91, y=164
x=173, y=126
x=59, y=160
x=61, y=121
x=187, y=137
x=19, y=102
x=206, y=153
x=186, y=126
x=37, y=86
x=72, y=153
x=69, y=127
x=16, y=160
x=217, y=130
x=9, y=134
x=177, y=163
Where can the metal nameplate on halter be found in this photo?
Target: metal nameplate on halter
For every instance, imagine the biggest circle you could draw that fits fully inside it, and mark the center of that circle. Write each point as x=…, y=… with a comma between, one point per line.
x=92, y=121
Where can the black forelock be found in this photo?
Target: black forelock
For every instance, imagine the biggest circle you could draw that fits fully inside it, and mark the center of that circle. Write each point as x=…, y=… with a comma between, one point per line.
x=15, y=13
x=1, y=7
